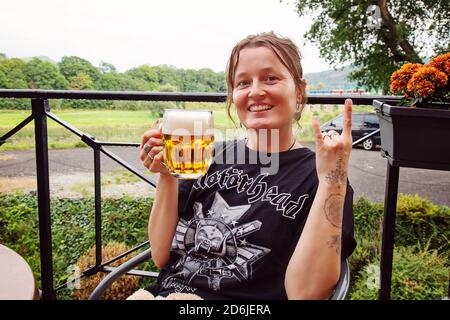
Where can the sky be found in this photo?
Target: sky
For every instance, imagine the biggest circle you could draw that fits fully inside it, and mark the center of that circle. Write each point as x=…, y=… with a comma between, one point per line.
x=186, y=34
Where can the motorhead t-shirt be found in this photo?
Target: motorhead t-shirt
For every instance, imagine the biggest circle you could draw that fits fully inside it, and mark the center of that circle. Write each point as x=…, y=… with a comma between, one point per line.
x=239, y=225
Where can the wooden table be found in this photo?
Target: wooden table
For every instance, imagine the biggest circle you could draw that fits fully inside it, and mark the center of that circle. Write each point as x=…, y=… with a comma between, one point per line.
x=16, y=278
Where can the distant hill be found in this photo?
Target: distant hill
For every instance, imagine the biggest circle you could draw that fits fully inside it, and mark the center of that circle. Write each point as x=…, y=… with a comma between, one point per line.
x=330, y=79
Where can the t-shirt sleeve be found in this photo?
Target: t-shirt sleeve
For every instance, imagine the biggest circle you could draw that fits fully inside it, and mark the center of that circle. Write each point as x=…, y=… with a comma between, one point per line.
x=348, y=240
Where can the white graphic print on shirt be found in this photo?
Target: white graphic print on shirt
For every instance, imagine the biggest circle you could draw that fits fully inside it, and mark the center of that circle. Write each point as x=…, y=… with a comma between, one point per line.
x=213, y=246
x=256, y=189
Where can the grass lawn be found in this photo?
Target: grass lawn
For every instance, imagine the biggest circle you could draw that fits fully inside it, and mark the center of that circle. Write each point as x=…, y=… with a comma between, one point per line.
x=110, y=125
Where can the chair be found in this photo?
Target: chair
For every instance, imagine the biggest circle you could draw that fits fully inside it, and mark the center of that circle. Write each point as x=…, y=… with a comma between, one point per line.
x=340, y=293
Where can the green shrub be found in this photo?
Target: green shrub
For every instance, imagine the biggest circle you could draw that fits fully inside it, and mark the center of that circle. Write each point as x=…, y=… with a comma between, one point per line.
x=19, y=229
x=368, y=230
x=420, y=222
x=123, y=220
x=417, y=274
x=15, y=104
x=368, y=217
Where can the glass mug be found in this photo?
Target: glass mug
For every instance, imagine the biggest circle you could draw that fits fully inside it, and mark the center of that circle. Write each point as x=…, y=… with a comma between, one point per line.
x=188, y=140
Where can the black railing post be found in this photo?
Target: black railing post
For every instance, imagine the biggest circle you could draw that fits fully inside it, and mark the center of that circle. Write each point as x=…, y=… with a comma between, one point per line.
x=98, y=207
x=388, y=237
x=39, y=108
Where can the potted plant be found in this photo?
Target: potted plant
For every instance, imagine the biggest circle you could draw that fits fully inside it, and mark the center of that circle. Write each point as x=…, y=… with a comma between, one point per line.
x=415, y=131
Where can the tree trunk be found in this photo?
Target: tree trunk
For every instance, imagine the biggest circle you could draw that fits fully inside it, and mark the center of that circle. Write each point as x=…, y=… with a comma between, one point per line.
x=394, y=39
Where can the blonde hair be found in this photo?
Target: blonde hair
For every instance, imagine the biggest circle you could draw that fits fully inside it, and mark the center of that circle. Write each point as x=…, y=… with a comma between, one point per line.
x=284, y=48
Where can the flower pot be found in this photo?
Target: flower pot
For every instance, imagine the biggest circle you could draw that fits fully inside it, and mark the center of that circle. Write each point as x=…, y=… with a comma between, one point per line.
x=414, y=137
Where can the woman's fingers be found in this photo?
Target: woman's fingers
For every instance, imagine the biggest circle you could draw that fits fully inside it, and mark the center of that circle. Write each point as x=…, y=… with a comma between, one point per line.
x=316, y=131
x=347, y=127
x=148, y=134
x=150, y=157
x=148, y=145
x=151, y=153
x=155, y=161
x=158, y=163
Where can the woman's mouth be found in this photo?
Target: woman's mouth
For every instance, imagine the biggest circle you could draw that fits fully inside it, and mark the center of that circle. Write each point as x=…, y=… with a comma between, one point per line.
x=259, y=108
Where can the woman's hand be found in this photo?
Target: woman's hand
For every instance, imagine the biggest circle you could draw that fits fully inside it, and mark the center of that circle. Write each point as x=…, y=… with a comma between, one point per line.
x=333, y=150
x=152, y=151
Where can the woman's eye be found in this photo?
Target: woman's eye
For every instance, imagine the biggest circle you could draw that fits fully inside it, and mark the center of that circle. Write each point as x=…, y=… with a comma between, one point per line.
x=272, y=78
x=242, y=83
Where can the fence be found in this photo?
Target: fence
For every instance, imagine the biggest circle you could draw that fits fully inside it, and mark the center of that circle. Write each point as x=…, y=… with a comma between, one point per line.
x=40, y=110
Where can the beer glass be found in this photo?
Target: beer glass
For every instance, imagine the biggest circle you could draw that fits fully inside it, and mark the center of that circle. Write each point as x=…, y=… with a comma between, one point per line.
x=188, y=142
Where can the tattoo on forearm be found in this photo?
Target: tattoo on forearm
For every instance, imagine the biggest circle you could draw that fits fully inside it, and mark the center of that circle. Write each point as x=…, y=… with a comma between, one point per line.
x=333, y=208
x=335, y=242
x=338, y=176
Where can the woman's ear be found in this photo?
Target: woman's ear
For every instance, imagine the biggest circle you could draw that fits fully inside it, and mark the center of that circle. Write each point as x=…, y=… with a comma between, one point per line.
x=301, y=91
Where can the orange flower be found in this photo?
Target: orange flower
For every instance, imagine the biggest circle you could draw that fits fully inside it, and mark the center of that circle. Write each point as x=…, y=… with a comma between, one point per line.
x=442, y=63
x=401, y=77
x=425, y=81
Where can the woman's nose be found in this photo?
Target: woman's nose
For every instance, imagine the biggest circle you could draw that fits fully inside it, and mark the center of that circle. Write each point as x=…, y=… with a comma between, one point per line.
x=256, y=90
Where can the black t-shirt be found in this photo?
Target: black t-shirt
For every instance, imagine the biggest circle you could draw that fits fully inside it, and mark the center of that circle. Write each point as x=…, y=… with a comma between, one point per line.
x=239, y=225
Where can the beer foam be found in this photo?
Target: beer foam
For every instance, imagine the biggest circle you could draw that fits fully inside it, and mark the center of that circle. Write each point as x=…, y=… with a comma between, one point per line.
x=187, y=122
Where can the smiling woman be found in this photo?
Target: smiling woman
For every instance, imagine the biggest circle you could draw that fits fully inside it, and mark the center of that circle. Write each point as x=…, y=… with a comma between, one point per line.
x=240, y=231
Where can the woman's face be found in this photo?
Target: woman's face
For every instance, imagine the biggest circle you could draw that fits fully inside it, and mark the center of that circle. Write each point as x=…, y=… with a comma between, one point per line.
x=264, y=91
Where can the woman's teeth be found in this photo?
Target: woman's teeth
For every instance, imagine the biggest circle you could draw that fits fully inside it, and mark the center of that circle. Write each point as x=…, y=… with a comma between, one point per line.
x=260, y=108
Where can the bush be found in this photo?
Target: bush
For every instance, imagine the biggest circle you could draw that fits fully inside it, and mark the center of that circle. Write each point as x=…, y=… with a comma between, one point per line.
x=19, y=228
x=420, y=225
x=418, y=274
x=15, y=104
x=420, y=222
x=123, y=220
x=368, y=230
x=120, y=289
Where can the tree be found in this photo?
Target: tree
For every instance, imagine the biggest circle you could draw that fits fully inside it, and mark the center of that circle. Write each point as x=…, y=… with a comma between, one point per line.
x=106, y=67
x=71, y=66
x=145, y=73
x=121, y=82
x=81, y=81
x=44, y=75
x=13, y=69
x=3, y=80
x=377, y=36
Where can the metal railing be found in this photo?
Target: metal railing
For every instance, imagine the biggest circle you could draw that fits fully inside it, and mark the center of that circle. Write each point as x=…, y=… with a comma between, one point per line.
x=40, y=111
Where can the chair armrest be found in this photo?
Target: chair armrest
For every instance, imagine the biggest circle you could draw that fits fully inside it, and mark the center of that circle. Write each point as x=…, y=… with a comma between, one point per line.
x=341, y=291
x=118, y=272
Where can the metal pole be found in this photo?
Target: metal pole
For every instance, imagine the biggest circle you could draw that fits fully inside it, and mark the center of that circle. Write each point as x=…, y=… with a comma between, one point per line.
x=39, y=107
x=98, y=207
x=387, y=245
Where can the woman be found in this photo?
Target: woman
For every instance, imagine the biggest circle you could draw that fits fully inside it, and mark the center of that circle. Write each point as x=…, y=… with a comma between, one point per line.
x=240, y=232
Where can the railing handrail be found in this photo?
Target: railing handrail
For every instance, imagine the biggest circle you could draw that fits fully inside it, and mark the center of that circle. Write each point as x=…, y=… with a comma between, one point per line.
x=170, y=96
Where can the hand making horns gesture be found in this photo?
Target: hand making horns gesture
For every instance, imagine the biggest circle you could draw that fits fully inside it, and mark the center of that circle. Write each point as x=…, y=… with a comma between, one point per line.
x=333, y=150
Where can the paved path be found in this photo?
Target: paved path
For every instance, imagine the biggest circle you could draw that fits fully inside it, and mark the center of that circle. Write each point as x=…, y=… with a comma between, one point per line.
x=367, y=171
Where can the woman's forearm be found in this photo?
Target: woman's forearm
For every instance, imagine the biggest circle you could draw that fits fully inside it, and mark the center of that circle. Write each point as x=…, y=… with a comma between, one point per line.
x=314, y=268
x=163, y=219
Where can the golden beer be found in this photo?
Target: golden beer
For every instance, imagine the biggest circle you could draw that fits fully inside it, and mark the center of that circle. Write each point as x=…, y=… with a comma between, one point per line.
x=188, y=142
